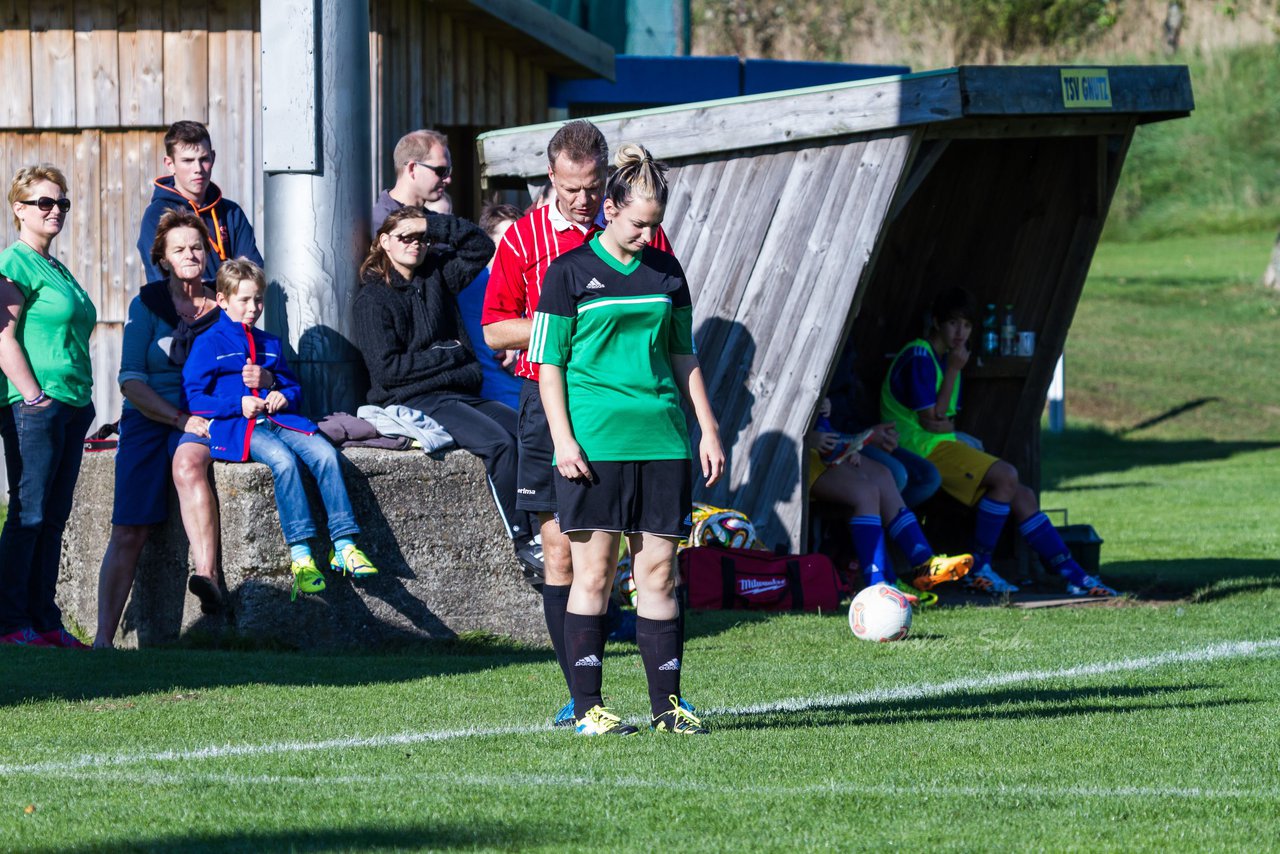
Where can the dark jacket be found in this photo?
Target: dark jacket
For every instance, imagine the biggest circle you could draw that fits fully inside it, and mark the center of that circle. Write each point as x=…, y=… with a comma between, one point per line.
x=230, y=231
x=213, y=385
x=409, y=332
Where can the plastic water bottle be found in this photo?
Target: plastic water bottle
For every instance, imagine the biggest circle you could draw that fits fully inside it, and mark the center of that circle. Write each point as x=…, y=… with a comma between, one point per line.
x=1008, y=333
x=990, y=331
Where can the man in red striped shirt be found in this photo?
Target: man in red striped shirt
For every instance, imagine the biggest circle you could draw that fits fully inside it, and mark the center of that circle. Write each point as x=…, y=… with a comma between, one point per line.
x=578, y=157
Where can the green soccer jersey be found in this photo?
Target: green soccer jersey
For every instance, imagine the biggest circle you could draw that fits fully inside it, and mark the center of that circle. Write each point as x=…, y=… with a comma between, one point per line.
x=613, y=327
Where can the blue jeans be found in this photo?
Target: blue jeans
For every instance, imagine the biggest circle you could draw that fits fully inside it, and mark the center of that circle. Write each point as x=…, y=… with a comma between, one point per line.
x=43, y=446
x=917, y=478
x=281, y=449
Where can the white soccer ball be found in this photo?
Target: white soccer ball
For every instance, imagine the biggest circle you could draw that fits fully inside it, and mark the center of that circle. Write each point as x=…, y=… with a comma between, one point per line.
x=880, y=613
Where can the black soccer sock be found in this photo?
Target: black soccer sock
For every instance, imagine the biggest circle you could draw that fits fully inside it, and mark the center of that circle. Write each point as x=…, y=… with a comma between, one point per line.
x=584, y=643
x=682, y=603
x=659, y=642
x=555, y=600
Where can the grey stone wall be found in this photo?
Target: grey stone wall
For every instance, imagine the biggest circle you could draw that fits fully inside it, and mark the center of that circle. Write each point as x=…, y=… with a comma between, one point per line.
x=429, y=525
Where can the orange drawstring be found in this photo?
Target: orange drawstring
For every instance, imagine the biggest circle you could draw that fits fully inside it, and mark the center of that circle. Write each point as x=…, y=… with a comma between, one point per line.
x=217, y=229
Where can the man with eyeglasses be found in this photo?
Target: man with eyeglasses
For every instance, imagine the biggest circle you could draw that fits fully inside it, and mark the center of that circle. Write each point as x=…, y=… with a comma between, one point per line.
x=189, y=157
x=423, y=172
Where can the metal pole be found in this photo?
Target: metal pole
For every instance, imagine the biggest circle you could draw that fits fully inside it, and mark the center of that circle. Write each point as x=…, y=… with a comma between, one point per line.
x=1057, y=398
x=315, y=121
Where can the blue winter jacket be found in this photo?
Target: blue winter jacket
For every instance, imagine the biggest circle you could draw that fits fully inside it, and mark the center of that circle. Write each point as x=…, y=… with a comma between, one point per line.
x=213, y=385
x=230, y=231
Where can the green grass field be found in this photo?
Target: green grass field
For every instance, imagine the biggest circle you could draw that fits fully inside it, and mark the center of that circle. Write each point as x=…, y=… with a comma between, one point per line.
x=1148, y=725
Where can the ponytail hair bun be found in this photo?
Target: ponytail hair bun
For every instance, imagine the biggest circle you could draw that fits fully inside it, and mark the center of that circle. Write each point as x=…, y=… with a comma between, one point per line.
x=637, y=176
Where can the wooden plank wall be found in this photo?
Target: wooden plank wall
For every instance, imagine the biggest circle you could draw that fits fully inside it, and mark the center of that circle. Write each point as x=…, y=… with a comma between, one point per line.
x=431, y=68
x=774, y=286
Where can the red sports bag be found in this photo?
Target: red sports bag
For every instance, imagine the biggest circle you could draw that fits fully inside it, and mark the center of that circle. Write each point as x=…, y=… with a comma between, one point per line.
x=746, y=579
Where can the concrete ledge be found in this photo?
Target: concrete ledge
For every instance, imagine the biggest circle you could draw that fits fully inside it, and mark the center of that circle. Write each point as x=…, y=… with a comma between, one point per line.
x=429, y=524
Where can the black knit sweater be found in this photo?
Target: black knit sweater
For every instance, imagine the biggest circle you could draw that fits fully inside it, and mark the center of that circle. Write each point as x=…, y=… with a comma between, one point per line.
x=409, y=331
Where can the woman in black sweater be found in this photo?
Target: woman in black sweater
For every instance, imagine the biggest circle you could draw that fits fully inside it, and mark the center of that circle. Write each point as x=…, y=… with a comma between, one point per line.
x=407, y=327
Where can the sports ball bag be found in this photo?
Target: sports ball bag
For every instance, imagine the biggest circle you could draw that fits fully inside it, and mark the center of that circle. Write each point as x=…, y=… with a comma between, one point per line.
x=750, y=580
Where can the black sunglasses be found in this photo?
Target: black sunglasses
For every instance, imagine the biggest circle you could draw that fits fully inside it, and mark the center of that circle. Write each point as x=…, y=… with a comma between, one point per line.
x=47, y=204
x=441, y=171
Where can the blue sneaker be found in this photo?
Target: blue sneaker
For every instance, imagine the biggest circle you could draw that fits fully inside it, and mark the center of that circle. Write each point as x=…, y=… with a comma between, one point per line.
x=565, y=717
x=687, y=706
x=1090, y=586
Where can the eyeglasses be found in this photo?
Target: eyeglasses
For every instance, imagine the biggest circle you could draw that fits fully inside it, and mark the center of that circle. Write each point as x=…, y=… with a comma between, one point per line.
x=47, y=204
x=441, y=171
x=419, y=238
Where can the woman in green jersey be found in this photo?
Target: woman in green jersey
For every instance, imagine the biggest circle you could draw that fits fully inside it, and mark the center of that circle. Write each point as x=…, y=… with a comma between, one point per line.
x=613, y=333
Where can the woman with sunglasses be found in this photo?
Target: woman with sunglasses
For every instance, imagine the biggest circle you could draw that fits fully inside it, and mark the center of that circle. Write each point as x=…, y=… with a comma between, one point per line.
x=45, y=322
x=407, y=327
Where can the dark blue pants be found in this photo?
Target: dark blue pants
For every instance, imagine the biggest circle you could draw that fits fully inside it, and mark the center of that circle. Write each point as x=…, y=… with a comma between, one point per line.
x=43, y=446
x=487, y=429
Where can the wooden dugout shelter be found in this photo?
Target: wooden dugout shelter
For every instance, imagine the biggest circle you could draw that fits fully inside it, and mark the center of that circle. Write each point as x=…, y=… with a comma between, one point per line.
x=92, y=85
x=806, y=216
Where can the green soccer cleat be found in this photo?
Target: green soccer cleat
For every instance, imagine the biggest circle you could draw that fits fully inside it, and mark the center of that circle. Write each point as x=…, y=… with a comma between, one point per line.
x=306, y=577
x=352, y=562
x=600, y=721
x=917, y=598
x=678, y=720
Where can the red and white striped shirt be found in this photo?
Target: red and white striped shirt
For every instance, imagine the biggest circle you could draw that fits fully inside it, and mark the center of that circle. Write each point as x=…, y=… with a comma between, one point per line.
x=528, y=248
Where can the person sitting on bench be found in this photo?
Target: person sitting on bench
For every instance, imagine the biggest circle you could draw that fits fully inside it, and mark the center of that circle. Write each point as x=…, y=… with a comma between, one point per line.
x=921, y=394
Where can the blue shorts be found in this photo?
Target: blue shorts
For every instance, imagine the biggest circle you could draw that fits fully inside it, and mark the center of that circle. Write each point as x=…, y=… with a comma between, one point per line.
x=143, y=463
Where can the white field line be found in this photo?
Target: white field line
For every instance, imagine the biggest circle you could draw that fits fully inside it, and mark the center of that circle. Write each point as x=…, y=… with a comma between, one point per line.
x=146, y=777
x=1215, y=652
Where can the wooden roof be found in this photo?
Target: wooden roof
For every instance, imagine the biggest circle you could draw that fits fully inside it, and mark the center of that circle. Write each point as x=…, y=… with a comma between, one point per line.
x=542, y=35
x=948, y=96
x=790, y=211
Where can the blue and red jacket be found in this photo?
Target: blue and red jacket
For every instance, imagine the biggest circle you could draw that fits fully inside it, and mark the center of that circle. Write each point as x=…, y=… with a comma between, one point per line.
x=214, y=387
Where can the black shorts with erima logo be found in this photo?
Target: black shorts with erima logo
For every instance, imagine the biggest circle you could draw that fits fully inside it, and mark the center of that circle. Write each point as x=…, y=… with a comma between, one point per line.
x=629, y=497
x=535, y=488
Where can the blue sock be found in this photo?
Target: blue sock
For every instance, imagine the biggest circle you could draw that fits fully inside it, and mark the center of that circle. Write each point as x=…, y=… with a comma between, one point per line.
x=1040, y=534
x=299, y=551
x=338, y=545
x=868, y=543
x=906, y=533
x=986, y=533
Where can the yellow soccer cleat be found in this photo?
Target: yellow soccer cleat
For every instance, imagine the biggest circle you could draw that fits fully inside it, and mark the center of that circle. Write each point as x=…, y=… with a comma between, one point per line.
x=940, y=569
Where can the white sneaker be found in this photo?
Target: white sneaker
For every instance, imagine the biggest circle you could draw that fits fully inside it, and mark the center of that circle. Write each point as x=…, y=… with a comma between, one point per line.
x=985, y=580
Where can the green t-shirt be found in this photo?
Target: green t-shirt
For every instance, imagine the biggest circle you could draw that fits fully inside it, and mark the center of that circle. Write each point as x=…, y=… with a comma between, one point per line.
x=57, y=319
x=613, y=328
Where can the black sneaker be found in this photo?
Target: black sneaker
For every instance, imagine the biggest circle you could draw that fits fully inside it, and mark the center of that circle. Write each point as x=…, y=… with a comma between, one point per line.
x=679, y=719
x=530, y=557
x=207, y=592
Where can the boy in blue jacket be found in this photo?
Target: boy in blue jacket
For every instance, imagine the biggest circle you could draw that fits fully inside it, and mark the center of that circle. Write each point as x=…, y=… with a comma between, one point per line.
x=245, y=424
